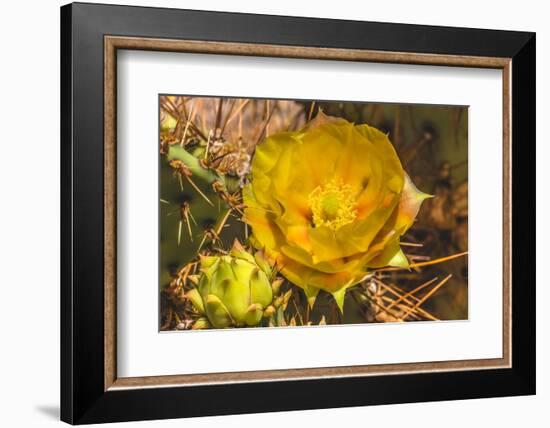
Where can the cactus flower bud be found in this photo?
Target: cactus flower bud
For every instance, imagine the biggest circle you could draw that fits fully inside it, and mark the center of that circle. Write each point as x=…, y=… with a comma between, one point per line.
x=233, y=290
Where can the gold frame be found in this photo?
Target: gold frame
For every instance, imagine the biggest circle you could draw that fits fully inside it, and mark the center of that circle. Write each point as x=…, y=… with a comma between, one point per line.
x=112, y=43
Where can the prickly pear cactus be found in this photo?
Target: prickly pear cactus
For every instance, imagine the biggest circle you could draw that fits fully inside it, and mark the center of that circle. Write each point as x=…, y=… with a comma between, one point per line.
x=193, y=211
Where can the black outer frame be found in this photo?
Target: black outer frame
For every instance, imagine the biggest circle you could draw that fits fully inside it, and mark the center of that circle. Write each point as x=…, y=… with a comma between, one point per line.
x=83, y=399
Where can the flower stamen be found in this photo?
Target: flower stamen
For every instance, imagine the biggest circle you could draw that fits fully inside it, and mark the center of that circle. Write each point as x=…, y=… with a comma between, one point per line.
x=332, y=205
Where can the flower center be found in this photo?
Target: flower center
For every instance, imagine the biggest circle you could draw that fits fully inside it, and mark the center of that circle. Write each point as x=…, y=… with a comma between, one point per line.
x=333, y=205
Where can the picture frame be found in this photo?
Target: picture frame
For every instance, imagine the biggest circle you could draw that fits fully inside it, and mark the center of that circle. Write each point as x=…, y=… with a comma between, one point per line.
x=91, y=390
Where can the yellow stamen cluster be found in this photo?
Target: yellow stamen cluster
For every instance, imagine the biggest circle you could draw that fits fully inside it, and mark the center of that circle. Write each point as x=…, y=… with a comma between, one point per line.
x=333, y=205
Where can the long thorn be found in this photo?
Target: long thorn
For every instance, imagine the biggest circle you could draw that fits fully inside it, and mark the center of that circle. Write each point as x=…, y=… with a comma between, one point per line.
x=207, y=146
x=192, y=183
x=220, y=227
x=430, y=293
x=421, y=264
x=219, y=114
x=186, y=214
x=259, y=137
x=236, y=112
x=311, y=108
x=231, y=106
x=440, y=260
x=410, y=244
x=191, y=215
x=189, y=119
x=267, y=107
x=420, y=287
x=387, y=311
x=404, y=297
x=202, y=242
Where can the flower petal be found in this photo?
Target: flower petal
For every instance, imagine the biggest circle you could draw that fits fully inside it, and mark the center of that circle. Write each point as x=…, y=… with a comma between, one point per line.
x=391, y=255
x=409, y=205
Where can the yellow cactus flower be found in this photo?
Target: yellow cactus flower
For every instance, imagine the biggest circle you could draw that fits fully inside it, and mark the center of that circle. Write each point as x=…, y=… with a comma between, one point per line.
x=328, y=203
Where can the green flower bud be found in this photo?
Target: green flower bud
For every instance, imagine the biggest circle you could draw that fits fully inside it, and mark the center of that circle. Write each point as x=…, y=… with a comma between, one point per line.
x=233, y=290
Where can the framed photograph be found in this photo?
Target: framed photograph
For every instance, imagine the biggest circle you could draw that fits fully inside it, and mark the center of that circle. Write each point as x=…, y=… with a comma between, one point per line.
x=256, y=207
